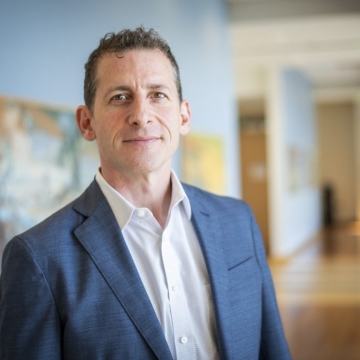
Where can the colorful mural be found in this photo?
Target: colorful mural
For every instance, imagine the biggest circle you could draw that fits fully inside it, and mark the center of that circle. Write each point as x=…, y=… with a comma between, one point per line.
x=44, y=163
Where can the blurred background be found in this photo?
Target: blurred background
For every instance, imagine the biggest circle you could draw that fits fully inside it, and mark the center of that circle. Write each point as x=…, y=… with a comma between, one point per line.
x=274, y=88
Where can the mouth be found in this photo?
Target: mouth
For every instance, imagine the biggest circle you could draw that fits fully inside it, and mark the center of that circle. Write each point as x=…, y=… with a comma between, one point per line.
x=142, y=139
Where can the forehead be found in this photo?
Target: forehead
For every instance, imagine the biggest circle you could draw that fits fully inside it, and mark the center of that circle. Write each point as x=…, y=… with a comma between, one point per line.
x=136, y=62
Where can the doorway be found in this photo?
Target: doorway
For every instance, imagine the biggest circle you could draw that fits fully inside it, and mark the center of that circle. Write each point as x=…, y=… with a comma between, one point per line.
x=253, y=154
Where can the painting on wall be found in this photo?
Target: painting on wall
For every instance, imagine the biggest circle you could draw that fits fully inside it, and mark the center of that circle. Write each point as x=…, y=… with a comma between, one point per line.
x=203, y=162
x=302, y=169
x=44, y=163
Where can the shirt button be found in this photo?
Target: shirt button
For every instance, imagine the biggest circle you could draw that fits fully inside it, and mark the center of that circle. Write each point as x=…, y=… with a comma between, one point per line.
x=141, y=213
x=184, y=339
x=175, y=288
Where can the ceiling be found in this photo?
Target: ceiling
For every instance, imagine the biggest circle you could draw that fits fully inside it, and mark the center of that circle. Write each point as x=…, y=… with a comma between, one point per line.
x=319, y=37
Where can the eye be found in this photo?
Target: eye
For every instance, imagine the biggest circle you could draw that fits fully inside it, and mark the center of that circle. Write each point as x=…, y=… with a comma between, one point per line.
x=159, y=95
x=119, y=97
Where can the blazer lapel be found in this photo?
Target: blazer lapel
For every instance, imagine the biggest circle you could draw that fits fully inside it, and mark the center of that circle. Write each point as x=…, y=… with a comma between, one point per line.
x=102, y=238
x=210, y=237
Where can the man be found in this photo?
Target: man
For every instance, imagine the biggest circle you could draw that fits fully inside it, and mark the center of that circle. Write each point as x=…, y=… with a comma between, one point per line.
x=139, y=266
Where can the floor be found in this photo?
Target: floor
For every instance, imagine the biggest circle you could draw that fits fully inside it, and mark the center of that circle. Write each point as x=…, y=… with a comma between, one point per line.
x=318, y=292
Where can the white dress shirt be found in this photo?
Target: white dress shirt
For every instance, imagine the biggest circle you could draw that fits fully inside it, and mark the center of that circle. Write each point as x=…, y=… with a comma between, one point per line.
x=172, y=268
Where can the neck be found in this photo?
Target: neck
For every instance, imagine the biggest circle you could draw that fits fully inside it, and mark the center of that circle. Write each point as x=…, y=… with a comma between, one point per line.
x=152, y=191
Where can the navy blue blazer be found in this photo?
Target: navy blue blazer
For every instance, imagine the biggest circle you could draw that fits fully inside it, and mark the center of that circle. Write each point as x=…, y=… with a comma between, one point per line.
x=69, y=288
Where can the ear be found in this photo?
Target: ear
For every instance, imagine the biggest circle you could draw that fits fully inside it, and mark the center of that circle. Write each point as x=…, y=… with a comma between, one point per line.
x=185, y=115
x=84, y=122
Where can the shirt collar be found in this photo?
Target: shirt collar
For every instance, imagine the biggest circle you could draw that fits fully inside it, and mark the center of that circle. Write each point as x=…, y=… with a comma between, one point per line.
x=123, y=208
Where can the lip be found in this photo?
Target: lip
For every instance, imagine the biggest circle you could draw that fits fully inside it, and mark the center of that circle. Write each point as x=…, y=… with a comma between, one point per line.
x=141, y=139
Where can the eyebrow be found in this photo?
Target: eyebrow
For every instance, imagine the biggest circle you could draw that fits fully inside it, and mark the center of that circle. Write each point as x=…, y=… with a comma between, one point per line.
x=157, y=86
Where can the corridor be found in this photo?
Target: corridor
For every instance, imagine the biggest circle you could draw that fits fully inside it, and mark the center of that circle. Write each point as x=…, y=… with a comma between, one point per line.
x=318, y=292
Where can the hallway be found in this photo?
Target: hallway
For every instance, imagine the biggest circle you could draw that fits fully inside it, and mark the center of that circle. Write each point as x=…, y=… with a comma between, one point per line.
x=318, y=292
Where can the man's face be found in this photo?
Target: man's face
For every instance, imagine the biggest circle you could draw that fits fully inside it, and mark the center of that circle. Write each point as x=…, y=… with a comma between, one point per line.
x=137, y=116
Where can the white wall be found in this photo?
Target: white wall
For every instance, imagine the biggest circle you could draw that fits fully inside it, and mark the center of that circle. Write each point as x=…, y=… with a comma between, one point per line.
x=357, y=153
x=44, y=45
x=295, y=204
x=337, y=141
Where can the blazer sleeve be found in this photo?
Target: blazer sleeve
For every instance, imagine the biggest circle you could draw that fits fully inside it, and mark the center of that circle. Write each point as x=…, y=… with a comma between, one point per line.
x=273, y=344
x=30, y=327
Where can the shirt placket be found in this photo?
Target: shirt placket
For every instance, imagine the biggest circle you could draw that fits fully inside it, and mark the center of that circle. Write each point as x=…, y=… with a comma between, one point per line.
x=182, y=332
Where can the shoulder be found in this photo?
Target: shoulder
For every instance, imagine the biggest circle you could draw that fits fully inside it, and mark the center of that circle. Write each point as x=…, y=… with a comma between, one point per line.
x=223, y=204
x=61, y=224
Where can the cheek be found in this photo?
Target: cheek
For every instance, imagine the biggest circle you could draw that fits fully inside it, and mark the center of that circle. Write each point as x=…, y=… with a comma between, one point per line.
x=110, y=126
x=172, y=121
x=106, y=137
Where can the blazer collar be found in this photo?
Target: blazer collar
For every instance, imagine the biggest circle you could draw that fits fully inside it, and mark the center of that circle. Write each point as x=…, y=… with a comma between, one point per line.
x=112, y=257
x=210, y=235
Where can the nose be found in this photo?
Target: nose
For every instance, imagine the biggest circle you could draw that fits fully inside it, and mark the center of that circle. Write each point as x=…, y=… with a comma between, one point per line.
x=140, y=114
